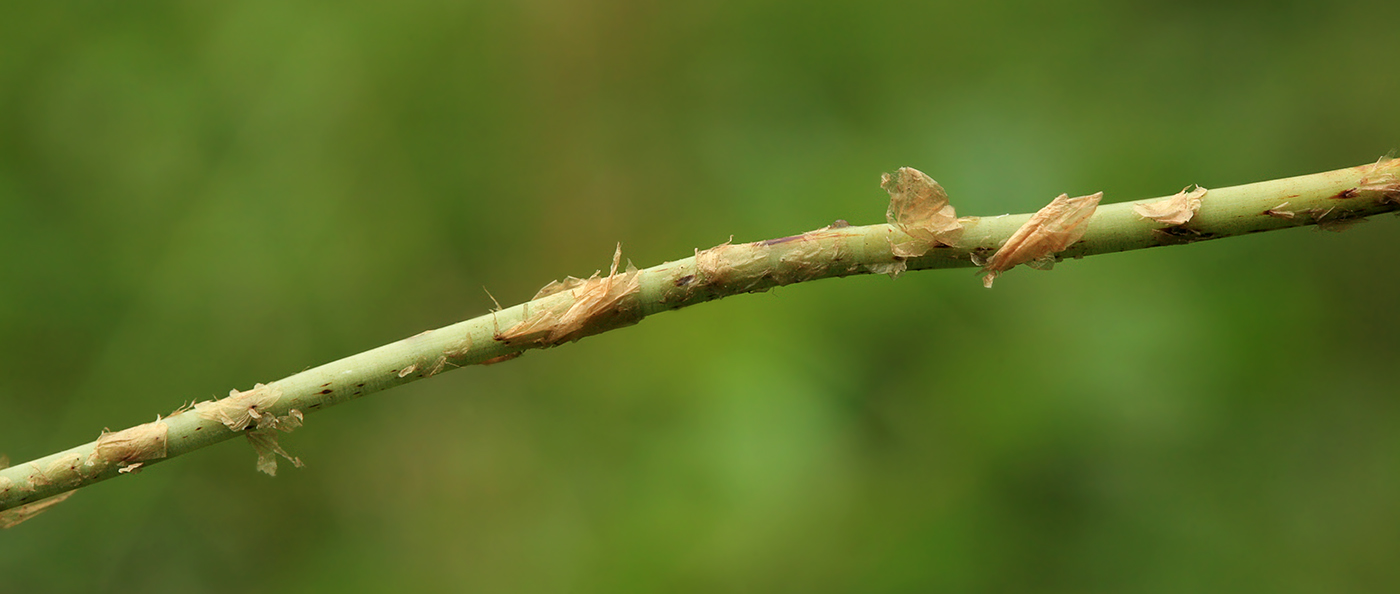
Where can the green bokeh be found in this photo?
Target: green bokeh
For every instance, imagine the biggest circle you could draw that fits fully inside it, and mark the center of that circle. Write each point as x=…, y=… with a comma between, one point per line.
x=197, y=196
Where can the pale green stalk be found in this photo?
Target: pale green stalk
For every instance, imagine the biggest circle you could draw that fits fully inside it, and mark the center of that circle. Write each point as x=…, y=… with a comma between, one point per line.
x=1330, y=198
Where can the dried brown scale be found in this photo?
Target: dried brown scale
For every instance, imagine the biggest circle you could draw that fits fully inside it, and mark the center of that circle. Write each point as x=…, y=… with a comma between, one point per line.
x=1049, y=231
x=137, y=444
x=65, y=470
x=892, y=269
x=814, y=256
x=733, y=268
x=599, y=305
x=241, y=409
x=729, y=269
x=800, y=264
x=1174, y=210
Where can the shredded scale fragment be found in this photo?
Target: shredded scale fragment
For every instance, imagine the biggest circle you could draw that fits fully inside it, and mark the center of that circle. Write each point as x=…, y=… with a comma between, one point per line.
x=437, y=366
x=568, y=284
x=1336, y=223
x=14, y=517
x=1383, y=178
x=1278, y=212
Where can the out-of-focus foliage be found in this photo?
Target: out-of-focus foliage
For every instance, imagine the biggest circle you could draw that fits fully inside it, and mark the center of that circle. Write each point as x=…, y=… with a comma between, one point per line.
x=198, y=196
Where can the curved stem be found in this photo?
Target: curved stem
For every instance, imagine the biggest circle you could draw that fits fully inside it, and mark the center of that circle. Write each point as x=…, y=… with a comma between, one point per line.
x=569, y=311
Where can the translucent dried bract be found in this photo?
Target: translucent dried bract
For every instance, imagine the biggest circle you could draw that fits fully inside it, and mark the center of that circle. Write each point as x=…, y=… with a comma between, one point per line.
x=1176, y=210
x=599, y=304
x=1049, y=231
x=14, y=517
x=264, y=440
x=265, y=444
x=252, y=410
x=919, y=207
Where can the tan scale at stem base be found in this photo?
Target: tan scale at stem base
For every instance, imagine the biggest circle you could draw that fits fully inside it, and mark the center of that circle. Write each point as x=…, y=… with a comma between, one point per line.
x=569, y=311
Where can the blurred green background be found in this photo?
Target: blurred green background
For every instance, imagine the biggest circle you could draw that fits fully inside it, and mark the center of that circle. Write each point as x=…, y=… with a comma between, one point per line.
x=198, y=196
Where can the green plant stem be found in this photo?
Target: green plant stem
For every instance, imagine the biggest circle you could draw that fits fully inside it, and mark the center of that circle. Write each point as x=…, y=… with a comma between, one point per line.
x=1329, y=198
